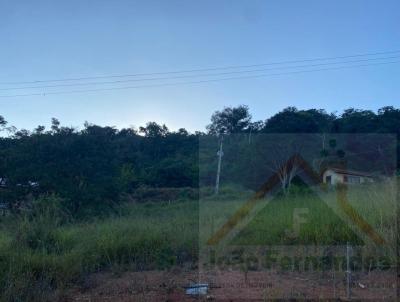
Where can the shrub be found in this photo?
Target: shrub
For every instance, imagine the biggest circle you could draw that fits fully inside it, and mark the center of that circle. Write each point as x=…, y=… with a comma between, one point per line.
x=35, y=227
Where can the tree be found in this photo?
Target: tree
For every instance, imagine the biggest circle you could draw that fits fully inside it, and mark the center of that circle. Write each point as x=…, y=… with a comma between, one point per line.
x=230, y=120
x=292, y=120
x=55, y=125
x=356, y=121
x=90, y=168
x=3, y=122
x=153, y=129
x=255, y=127
x=39, y=129
x=182, y=131
x=285, y=160
x=389, y=120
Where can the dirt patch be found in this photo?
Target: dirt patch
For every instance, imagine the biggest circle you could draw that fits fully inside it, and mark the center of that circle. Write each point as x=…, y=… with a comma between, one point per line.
x=234, y=286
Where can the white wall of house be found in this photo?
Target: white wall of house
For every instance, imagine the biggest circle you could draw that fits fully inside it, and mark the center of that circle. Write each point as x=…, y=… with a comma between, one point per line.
x=339, y=178
x=335, y=178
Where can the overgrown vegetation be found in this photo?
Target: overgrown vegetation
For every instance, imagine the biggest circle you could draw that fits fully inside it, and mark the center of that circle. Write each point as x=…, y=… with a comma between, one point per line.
x=93, y=168
x=41, y=254
x=82, y=201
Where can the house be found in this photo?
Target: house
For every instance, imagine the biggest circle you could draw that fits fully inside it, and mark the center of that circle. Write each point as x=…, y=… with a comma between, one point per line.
x=335, y=176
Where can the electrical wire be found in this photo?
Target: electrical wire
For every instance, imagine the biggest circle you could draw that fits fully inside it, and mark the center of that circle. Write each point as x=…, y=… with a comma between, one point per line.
x=196, y=82
x=199, y=70
x=194, y=76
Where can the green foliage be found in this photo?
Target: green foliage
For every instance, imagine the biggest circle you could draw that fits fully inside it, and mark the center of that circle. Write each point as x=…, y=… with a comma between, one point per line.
x=230, y=120
x=40, y=256
x=153, y=130
x=43, y=253
x=3, y=122
x=45, y=245
x=322, y=226
x=93, y=168
x=145, y=194
x=34, y=228
x=291, y=120
x=127, y=178
x=323, y=221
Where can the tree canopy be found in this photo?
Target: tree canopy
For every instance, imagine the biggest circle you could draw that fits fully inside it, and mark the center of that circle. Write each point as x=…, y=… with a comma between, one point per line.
x=93, y=168
x=230, y=120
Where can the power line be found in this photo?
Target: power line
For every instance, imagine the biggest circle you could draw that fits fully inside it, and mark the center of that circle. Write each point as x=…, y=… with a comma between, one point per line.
x=199, y=70
x=195, y=82
x=196, y=75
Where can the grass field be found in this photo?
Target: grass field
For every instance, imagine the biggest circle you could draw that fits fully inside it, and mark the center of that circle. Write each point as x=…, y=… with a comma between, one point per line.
x=35, y=258
x=323, y=220
x=40, y=258
x=323, y=229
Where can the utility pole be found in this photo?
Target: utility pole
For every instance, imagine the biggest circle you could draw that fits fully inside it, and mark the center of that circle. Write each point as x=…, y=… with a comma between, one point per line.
x=220, y=153
x=250, y=135
x=348, y=271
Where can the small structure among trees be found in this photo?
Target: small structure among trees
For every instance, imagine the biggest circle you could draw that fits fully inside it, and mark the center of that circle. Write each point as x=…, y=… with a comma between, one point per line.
x=333, y=176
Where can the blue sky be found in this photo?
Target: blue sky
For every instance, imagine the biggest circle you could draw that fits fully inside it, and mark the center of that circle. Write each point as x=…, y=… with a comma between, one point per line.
x=59, y=39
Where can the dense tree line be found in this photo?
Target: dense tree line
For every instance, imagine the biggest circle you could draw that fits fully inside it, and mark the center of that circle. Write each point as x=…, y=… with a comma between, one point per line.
x=292, y=120
x=92, y=168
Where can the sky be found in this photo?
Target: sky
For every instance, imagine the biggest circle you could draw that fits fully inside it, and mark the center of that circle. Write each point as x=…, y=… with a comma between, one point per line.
x=44, y=40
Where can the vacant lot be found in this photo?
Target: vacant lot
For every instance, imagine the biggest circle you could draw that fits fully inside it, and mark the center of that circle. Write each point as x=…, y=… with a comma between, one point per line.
x=42, y=259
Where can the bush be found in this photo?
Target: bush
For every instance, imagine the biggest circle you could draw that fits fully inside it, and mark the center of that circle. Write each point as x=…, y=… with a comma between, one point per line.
x=42, y=254
x=34, y=228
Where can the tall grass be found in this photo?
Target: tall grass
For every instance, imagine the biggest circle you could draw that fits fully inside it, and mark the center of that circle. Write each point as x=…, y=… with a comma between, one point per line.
x=324, y=223
x=38, y=262
x=44, y=253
